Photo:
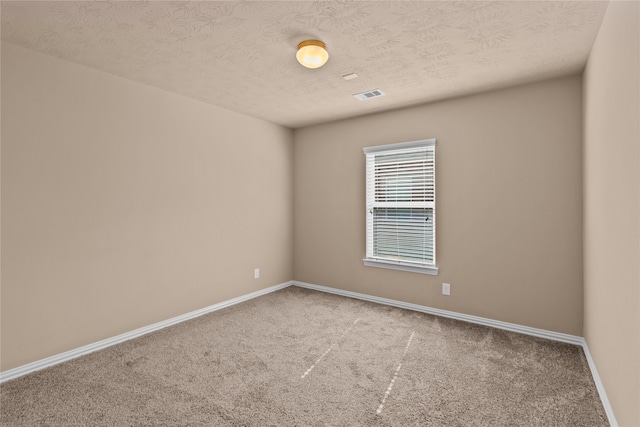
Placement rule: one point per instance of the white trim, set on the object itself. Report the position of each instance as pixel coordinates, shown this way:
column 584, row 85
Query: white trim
column 424, row 269
column 72, row 354
column 526, row 330
column 400, row 146
column 542, row 333
column 599, row 385
column 556, row 336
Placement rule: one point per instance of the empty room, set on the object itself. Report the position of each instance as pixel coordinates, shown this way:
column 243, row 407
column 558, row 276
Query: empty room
column 320, row 213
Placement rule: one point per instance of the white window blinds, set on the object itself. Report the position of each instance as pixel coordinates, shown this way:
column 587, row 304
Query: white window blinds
column 401, row 205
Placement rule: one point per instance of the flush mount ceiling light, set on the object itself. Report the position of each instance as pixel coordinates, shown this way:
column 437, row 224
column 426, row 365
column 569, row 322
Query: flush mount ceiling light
column 312, row 53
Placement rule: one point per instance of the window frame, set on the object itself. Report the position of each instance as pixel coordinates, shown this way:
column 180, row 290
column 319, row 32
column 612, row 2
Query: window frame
column 370, row 260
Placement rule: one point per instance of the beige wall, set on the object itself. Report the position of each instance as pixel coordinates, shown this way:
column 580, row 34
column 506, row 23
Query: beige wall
column 124, row 205
column 509, row 204
column 612, row 208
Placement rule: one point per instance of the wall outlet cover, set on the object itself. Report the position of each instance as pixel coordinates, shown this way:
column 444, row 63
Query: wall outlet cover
column 446, row 289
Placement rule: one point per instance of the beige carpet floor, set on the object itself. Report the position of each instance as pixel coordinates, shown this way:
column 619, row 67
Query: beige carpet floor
column 297, row 357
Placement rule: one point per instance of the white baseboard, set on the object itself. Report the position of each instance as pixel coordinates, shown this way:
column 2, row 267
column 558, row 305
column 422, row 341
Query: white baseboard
column 599, row 385
column 541, row 333
column 72, row 354
column 556, row 336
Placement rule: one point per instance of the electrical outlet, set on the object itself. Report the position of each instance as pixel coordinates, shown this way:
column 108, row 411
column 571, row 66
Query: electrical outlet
column 446, row 289
column 256, row 273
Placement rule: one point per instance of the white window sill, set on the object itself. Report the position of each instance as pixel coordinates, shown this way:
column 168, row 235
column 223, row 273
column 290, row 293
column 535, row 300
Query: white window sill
column 424, row 269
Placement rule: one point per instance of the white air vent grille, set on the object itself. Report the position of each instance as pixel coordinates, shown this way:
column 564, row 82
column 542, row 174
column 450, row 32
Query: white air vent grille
column 369, row 94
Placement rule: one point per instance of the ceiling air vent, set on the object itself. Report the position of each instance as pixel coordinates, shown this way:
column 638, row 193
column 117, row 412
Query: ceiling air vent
column 369, row 94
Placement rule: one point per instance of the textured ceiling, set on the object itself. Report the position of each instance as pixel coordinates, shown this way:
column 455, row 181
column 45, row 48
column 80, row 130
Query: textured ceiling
column 240, row 55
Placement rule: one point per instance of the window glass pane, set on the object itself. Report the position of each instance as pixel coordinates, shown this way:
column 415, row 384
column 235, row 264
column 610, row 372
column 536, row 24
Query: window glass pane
column 403, row 234
column 404, row 177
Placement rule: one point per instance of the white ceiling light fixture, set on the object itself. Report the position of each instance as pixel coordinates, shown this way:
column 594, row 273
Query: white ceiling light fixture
column 312, row 53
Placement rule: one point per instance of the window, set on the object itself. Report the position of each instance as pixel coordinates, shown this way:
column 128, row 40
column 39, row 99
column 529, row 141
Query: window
column 401, row 206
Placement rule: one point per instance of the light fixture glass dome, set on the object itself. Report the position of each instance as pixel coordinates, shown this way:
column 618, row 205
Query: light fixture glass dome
column 312, row 53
